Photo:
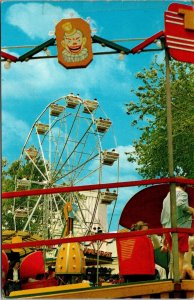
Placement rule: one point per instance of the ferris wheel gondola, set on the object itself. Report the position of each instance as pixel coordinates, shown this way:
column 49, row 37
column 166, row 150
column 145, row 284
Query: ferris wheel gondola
column 65, row 148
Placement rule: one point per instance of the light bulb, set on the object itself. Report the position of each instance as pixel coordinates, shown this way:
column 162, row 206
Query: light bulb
column 121, row 55
column 48, row 53
column 7, row 64
column 51, row 33
column 158, row 43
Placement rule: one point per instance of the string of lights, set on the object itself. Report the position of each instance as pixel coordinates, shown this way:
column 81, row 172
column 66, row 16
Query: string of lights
column 33, row 46
column 35, row 49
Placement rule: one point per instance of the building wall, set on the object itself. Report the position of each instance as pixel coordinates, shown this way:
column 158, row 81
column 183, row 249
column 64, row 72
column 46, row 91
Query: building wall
column 100, row 219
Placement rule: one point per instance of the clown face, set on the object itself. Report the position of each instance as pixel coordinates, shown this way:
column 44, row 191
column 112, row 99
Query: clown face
column 74, row 43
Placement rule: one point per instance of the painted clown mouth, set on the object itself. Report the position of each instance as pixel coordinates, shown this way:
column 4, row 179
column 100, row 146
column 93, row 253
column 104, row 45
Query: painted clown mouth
column 75, row 49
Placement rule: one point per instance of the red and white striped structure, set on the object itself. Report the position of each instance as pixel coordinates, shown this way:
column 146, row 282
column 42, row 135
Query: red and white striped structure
column 179, row 32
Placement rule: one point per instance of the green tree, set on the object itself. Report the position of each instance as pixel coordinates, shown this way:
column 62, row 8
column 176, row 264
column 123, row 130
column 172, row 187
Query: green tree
column 10, row 175
column 25, row 172
column 148, row 114
column 7, row 185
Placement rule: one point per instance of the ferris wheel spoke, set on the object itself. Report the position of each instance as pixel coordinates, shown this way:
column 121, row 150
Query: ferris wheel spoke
column 94, row 212
column 32, row 213
column 56, row 145
column 73, row 161
column 91, row 156
column 74, row 149
column 81, row 179
column 80, row 165
column 82, row 169
column 72, row 171
column 91, row 219
column 67, row 138
column 51, row 136
column 82, row 152
column 82, row 208
column 57, row 218
column 69, row 152
column 56, row 141
column 64, row 198
column 37, row 168
column 43, row 157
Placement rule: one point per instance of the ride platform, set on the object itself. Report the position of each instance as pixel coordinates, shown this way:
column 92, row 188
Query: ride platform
column 149, row 289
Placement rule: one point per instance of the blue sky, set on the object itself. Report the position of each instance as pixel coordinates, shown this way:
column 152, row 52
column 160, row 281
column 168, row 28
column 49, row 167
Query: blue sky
column 28, row 87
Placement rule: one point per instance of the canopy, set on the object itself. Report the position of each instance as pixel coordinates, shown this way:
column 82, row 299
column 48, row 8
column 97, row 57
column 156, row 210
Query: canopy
column 5, row 262
column 146, row 205
column 32, row 265
column 4, row 267
column 11, row 236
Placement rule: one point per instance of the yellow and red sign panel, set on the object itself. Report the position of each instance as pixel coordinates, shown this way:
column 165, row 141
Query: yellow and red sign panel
column 74, row 43
column 135, row 256
column 179, row 32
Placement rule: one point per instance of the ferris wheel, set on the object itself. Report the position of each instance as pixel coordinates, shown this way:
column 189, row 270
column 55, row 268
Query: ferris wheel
column 70, row 143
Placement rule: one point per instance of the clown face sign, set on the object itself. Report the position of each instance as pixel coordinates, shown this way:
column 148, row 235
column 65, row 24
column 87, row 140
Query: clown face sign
column 179, row 31
column 74, row 43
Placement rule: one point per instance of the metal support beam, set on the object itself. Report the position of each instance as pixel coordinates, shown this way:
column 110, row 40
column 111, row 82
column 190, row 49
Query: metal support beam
column 112, row 45
column 36, row 50
column 176, row 274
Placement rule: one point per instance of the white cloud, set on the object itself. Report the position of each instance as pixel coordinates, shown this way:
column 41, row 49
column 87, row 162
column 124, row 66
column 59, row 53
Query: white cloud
column 119, row 172
column 126, row 170
column 37, row 19
column 40, row 76
column 14, row 131
column 37, row 77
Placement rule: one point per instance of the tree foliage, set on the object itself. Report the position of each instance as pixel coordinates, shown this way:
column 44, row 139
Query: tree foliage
column 10, row 175
column 148, row 114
